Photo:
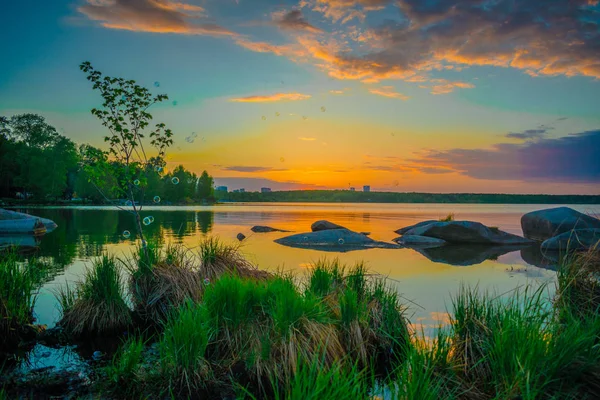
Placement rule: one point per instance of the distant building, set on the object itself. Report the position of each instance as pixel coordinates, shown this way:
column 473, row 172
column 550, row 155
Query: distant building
column 265, row 190
column 352, row 189
column 366, row 188
column 236, row 190
column 242, row 190
column 221, row 188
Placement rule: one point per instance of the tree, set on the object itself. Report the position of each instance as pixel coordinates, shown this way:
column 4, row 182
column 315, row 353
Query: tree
column 124, row 113
column 206, row 188
column 44, row 156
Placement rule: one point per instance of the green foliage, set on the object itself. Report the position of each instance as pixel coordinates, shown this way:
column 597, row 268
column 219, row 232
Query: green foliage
column 326, row 276
column 18, row 280
column 46, row 158
column 122, row 373
column 98, row 304
column 425, row 374
column 183, row 347
column 313, row 380
column 205, row 187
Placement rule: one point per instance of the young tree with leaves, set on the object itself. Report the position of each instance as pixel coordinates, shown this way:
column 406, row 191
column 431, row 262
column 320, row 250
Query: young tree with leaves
column 124, row 113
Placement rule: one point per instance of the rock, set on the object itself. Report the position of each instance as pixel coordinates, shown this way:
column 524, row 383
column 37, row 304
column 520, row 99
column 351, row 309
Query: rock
column 402, row 231
column 333, row 240
column 464, row 255
column 543, row 224
column 265, row 229
column 466, row 232
column 97, row 355
column 578, row 239
column 324, row 225
column 365, row 233
column 419, row 241
column 240, row 236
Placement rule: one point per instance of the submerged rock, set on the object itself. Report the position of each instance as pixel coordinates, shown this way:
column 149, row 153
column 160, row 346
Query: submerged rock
column 240, row 236
column 578, row 239
column 324, row 225
column 419, row 241
column 402, row 231
column 265, row 229
column 464, row 255
column 333, row 240
column 544, row 224
column 466, row 232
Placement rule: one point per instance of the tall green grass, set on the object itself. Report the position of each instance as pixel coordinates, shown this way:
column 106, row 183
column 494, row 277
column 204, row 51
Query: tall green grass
column 426, row 373
column 124, row 370
column 183, row 348
column 97, row 305
column 18, row 282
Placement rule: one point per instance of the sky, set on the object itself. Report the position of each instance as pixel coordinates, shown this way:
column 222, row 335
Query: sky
column 486, row 96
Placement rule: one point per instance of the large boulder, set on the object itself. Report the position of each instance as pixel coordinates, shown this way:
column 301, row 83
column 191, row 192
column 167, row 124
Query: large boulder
column 578, row 239
column 415, row 241
column 402, row 231
column 324, row 225
column 333, row 240
column 265, row 229
column 466, row 232
column 543, row 224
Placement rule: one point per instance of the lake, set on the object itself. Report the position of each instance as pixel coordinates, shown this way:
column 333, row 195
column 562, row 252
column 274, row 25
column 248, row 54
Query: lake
column 426, row 281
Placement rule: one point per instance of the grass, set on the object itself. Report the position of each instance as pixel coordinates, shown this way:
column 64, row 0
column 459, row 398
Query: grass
column 341, row 333
column 183, row 349
column 97, row 305
column 163, row 279
column 447, row 218
column 18, row 281
column 312, row 381
column 125, row 368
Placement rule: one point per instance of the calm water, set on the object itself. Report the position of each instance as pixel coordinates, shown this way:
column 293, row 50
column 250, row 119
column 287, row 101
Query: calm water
column 425, row 281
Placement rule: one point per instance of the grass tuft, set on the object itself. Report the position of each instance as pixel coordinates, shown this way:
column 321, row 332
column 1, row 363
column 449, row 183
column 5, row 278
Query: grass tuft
column 447, row 218
column 18, row 281
column 97, row 305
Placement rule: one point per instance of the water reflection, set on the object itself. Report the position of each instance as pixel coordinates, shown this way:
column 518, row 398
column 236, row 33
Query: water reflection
column 85, row 233
column 464, row 255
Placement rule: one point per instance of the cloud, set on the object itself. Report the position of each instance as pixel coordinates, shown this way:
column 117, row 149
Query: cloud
column 560, row 38
column 307, row 139
column 443, row 86
column 344, row 11
column 388, row 91
column 250, row 169
column 293, row 20
column 160, row 16
column 569, row 159
column 272, row 98
column 530, row 134
column 336, row 91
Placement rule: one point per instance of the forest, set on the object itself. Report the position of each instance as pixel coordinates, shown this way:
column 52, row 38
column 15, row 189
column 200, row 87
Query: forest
column 40, row 165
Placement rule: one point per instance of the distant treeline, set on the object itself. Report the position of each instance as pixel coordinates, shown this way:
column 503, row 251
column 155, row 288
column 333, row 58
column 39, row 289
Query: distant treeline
column 346, row 196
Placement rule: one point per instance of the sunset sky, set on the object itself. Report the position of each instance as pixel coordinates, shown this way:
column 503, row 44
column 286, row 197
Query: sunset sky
column 403, row 95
